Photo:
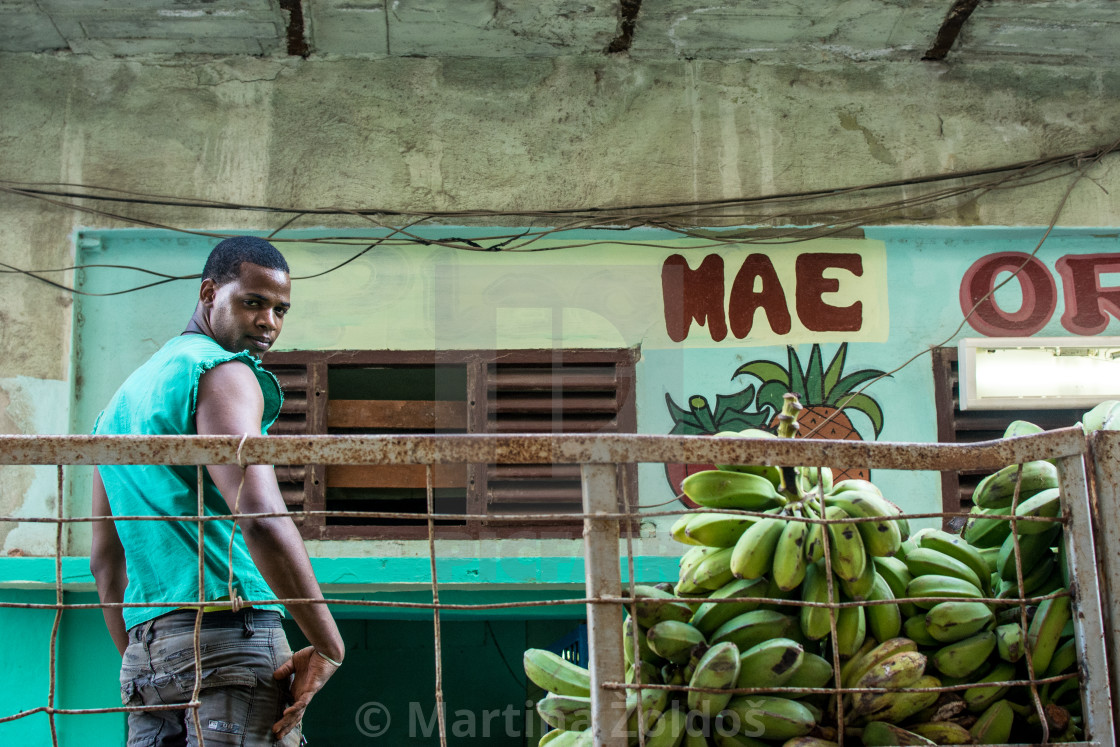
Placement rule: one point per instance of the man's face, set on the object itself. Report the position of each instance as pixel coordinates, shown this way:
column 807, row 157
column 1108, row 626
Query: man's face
column 247, row 313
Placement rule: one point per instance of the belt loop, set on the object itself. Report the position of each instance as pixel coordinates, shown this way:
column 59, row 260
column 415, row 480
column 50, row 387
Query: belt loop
column 247, row 623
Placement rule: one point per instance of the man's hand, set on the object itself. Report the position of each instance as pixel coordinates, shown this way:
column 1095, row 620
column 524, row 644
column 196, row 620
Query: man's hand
column 311, row 673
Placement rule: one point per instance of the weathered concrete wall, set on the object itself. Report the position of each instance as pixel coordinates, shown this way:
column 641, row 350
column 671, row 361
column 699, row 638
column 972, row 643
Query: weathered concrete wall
column 505, row 135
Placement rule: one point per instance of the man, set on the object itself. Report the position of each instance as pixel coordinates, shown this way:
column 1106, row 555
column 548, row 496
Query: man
column 209, row 381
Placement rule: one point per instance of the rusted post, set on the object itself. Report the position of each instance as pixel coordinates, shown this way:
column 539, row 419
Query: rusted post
column 1104, row 453
column 1088, row 628
column 604, row 621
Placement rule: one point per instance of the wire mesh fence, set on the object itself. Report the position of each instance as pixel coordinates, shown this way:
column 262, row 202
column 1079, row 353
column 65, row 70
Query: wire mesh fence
column 609, row 540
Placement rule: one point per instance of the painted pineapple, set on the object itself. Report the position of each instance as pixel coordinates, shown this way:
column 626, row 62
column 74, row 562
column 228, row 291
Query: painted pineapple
column 730, row 414
column 823, row 392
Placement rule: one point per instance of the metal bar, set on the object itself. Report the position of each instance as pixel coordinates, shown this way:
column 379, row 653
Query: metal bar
column 1105, row 458
column 604, row 621
column 1089, row 627
column 586, row 448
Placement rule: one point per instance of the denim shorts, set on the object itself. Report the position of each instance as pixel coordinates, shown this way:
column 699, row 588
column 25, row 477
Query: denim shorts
column 240, row 699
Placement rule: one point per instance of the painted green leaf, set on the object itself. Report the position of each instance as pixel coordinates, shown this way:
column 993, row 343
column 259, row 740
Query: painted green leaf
column 702, row 413
column 835, row 369
column 728, row 405
column 687, row 428
column 677, row 412
column 849, row 383
column 764, row 370
column 814, row 377
column 770, row 395
column 745, row 420
column 797, row 376
column 867, row 406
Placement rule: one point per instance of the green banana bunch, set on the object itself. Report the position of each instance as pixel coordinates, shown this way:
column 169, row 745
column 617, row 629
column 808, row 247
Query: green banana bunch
column 711, row 529
column 987, row 527
column 807, row 479
column 1043, row 504
column 884, row 621
column 718, row 669
column 849, row 558
column 935, row 585
column 998, row 490
column 717, row 488
column 896, row 707
column 1033, row 549
column 772, row 473
column 556, row 674
column 814, row 671
column 851, row 630
column 815, row 621
column 873, row 656
column 789, row 563
column 770, row 663
column 766, row 717
column 649, row 613
column 978, row 698
column 897, row 576
column 955, row 547
column 753, row 554
column 924, row 561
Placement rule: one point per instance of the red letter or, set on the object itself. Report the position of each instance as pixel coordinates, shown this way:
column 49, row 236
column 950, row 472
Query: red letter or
column 693, row 295
column 1040, row 296
column 1086, row 301
column 813, row 312
column 745, row 301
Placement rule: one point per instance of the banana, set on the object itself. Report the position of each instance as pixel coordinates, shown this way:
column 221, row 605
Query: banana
column 742, row 491
column 1103, row 417
column 567, row 712
column 710, row 615
column 649, row 613
column 814, row 671
column 694, row 738
column 1063, row 660
column 770, row 663
column 860, row 589
column 855, row 662
column 774, row 474
column 814, row 545
column 789, row 556
column 644, row 672
column 1011, row 642
column 561, row 738
column 875, row 656
column 898, row 671
column 807, row 478
column 880, row 538
column 1021, row 428
column 882, row 734
column 673, row 640
column 1040, row 578
column 849, row 558
column 766, row 717
column 994, row 724
column 936, row 585
column 644, row 652
column 734, row 739
column 941, row 732
column 642, row 710
column 998, row 490
column 987, row 527
column 851, row 630
column 692, row 558
column 895, row 707
column 955, row 547
column 962, row 658
column 555, row 673
column 884, row 621
column 897, row 576
column 1044, row 504
column 809, row 741
column 984, row 694
column 1032, row 549
column 815, row 621
column 718, row 669
column 955, row 621
column 914, row 628
column 753, row 554
column 677, row 531
column 1045, row 631
column 712, row 572
column 752, row 628
column 668, row 730
column 923, row 561
column 716, row 530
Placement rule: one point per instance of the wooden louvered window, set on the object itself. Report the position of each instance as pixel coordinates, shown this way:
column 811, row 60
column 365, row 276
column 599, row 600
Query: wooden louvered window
column 955, row 425
column 402, row 392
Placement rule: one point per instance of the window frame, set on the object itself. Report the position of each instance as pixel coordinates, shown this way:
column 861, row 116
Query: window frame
column 317, row 364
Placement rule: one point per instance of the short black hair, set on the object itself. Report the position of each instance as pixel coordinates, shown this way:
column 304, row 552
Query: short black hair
column 224, row 262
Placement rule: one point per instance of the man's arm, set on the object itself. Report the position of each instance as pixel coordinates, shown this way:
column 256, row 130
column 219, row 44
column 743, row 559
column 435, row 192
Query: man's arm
column 106, row 562
column 230, row 402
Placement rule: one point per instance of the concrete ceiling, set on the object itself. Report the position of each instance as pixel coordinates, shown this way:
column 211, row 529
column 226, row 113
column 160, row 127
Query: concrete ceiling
column 800, row 32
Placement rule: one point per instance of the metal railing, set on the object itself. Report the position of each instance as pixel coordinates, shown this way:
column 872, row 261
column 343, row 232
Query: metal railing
column 598, row 455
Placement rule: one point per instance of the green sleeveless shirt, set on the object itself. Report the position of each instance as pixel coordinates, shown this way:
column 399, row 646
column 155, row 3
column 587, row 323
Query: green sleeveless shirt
column 161, row 557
